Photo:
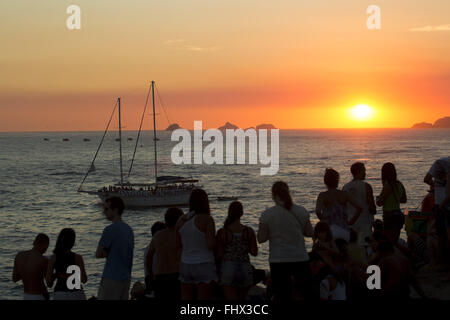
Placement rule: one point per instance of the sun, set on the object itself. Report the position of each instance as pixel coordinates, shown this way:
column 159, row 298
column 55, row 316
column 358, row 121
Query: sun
column 361, row 112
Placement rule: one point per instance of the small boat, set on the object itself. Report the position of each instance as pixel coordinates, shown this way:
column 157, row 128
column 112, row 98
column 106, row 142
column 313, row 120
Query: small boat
column 86, row 139
column 46, row 139
column 164, row 191
column 130, row 139
column 66, row 139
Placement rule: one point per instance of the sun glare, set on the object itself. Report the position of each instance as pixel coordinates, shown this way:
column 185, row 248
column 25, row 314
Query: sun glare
column 361, row 112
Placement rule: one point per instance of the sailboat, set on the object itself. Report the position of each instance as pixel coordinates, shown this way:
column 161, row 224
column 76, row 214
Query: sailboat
column 165, row 191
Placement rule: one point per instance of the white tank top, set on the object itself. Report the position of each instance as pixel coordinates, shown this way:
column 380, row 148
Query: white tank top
column 195, row 249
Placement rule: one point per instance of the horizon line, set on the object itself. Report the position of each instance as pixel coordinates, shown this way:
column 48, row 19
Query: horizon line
column 284, row 129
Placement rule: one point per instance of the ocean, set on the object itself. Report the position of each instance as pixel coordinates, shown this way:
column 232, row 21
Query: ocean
column 39, row 181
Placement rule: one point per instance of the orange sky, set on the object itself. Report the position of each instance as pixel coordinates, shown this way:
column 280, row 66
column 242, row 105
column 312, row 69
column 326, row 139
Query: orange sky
column 296, row 64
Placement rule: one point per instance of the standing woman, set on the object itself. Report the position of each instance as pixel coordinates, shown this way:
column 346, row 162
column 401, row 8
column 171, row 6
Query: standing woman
column 196, row 232
column 331, row 206
column 392, row 194
column 62, row 258
column 286, row 225
column 235, row 242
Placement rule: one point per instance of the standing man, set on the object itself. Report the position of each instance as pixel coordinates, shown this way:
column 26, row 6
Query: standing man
column 30, row 267
column 439, row 177
column 116, row 245
column 363, row 193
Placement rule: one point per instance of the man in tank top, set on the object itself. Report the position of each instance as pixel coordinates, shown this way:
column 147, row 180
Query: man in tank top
column 363, row 193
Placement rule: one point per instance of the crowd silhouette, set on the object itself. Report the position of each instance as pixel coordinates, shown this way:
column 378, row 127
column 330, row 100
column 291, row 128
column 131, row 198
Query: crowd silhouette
column 188, row 260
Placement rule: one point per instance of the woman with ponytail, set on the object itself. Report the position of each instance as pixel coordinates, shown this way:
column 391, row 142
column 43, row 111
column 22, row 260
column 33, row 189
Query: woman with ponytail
column 235, row 242
column 285, row 226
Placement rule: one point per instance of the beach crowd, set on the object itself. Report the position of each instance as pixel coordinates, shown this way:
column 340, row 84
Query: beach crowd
column 188, row 260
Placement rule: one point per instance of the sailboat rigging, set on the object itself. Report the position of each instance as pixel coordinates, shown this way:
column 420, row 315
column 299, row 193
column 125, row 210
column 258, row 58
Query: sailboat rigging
column 164, row 191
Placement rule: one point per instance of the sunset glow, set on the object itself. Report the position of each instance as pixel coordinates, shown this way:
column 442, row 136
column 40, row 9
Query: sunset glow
column 236, row 61
column 362, row 112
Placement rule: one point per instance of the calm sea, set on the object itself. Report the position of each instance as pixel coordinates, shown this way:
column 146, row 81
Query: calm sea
column 39, row 181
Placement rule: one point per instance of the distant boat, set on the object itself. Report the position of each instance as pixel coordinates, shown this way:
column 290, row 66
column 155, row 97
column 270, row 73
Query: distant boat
column 165, row 191
column 130, row 139
column 46, row 139
column 66, row 139
column 86, row 139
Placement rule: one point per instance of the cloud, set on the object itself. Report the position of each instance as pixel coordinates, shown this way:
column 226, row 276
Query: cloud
column 196, row 48
column 182, row 44
column 444, row 27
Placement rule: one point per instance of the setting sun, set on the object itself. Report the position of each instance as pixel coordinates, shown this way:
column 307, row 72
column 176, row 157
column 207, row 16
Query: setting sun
column 362, row 112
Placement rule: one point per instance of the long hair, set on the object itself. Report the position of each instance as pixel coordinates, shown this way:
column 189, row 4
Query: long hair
column 65, row 241
column 281, row 189
column 198, row 202
column 235, row 211
column 388, row 173
column 331, row 178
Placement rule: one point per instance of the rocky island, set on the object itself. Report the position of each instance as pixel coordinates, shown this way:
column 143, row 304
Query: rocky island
column 173, row 127
column 442, row 123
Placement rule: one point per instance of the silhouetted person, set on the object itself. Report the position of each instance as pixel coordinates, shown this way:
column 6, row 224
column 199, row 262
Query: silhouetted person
column 235, row 242
column 148, row 271
column 331, row 206
column 196, row 233
column 438, row 177
column 116, row 245
column 362, row 192
column 30, row 267
column 163, row 259
column 285, row 226
column 390, row 198
column 62, row 258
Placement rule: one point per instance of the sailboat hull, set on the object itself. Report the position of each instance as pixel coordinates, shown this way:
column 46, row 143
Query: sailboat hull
column 141, row 199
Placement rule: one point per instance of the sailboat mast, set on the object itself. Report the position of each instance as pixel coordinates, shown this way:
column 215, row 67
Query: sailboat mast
column 120, row 143
column 154, row 131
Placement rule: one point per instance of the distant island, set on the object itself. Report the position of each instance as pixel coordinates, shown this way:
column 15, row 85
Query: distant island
column 230, row 125
column 173, row 127
column 438, row 124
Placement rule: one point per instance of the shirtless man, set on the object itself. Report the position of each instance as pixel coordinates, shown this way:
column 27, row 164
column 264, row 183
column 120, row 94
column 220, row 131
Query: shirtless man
column 164, row 247
column 30, row 267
